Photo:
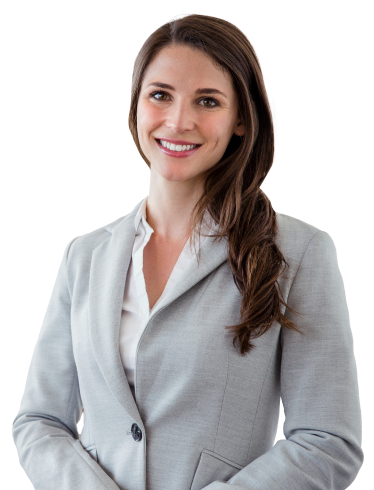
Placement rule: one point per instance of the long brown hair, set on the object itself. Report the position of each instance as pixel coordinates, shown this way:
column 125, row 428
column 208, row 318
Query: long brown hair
column 232, row 193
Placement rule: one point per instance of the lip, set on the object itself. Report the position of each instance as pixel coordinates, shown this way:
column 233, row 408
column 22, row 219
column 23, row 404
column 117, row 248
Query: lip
column 176, row 154
column 178, row 142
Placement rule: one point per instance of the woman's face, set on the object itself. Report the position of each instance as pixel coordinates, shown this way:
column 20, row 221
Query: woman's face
column 185, row 100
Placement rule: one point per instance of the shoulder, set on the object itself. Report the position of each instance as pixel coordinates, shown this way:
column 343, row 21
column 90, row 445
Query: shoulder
column 293, row 231
column 295, row 237
column 81, row 247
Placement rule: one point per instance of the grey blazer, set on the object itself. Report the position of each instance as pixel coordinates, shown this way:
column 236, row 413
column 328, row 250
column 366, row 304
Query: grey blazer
column 204, row 417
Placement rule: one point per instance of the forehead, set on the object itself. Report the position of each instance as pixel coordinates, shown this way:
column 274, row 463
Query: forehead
column 186, row 68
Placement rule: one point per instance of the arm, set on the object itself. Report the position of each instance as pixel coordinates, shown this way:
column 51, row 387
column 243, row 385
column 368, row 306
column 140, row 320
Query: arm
column 319, row 388
column 45, row 429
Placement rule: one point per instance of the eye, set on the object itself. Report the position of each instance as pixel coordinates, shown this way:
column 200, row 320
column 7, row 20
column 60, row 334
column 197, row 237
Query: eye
column 156, row 93
column 216, row 103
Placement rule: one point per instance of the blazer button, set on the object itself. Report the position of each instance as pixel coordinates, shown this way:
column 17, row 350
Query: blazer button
column 136, row 432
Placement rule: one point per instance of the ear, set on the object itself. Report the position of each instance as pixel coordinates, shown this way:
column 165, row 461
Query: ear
column 239, row 129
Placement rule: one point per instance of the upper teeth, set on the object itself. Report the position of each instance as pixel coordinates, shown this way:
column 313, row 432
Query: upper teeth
column 173, row 147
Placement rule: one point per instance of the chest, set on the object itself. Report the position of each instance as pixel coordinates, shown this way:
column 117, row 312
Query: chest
column 159, row 259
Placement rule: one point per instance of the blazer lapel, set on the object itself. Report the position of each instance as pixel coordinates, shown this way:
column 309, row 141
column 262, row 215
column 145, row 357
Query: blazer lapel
column 213, row 254
column 109, row 265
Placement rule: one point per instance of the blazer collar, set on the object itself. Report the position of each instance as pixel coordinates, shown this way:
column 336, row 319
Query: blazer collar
column 109, row 265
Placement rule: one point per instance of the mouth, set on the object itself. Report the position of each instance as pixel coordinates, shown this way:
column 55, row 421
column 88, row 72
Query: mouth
column 177, row 150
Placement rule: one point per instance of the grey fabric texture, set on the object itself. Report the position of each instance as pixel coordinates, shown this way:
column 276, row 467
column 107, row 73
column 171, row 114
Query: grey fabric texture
column 208, row 415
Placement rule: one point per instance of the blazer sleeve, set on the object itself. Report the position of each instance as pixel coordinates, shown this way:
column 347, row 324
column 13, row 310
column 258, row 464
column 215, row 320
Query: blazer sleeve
column 45, row 429
column 319, row 388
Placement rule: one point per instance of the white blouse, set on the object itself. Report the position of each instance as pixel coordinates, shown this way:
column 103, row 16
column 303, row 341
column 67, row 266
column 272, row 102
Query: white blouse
column 135, row 307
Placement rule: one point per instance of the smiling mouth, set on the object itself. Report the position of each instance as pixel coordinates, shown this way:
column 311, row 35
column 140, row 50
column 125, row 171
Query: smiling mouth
column 159, row 142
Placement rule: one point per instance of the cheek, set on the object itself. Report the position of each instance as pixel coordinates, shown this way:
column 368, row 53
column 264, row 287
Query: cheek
column 148, row 113
column 217, row 129
column 148, row 121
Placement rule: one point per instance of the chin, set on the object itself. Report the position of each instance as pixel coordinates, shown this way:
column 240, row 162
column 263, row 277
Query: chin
column 177, row 172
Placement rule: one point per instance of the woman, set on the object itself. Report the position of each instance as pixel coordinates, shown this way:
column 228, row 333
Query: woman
column 179, row 326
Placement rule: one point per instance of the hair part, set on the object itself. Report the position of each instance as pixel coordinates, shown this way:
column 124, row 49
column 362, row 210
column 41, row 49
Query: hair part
column 232, row 193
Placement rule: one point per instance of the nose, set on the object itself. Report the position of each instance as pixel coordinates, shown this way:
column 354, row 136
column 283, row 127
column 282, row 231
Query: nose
column 180, row 117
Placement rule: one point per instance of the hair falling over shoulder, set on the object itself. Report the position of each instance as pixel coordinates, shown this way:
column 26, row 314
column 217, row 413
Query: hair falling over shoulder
column 232, row 193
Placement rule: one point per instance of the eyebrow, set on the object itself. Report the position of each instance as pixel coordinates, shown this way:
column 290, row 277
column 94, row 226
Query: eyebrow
column 198, row 91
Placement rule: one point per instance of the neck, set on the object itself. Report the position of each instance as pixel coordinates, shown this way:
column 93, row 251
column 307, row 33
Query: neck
column 170, row 206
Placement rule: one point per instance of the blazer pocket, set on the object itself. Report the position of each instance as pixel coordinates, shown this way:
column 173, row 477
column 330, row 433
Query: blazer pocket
column 213, row 467
column 92, row 451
